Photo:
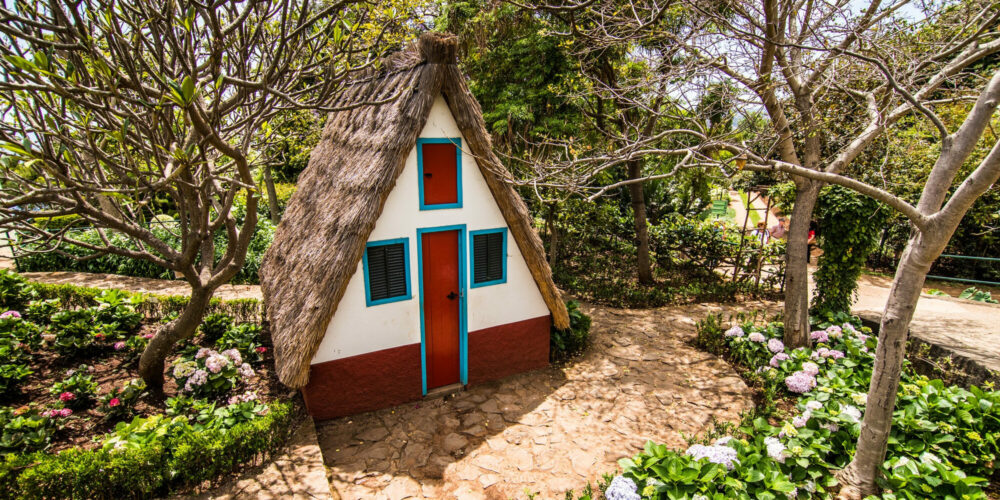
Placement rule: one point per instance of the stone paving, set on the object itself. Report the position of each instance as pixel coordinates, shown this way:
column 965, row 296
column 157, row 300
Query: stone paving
column 546, row 431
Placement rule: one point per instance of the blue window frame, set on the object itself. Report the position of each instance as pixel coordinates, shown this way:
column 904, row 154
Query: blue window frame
column 387, row 271
column 488, row 248
column 457, row 141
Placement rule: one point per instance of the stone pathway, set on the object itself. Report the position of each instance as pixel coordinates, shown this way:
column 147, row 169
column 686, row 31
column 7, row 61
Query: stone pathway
column 546, row 431
column 296, row 473
column 964, row 327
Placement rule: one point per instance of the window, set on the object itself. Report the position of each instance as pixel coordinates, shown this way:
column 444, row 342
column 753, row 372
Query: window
column 439, row 165
column 387, row 271
column 489, row 257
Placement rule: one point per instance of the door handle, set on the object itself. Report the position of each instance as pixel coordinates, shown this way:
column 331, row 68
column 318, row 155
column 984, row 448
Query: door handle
column 452, row 296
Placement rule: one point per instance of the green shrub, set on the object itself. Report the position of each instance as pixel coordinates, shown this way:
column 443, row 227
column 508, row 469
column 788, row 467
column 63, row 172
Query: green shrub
column 77, row 390
column 215, row 325
column 41, row 311
column 116, row 310
column 849, row 225
column 565, row 343
column 24, row 430
column 182, row 456
column 973, row 293
column 119, row 404
column 15, row 291
column 21, row 330
column 75, row 331
column 245, row 338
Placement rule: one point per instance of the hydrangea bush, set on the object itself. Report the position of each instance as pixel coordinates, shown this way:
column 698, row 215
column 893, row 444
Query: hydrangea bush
column 944, row 439
column 210, row 374
column 77, row 390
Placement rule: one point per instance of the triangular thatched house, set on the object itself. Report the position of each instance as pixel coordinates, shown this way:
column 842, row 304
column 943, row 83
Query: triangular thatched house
column 404, row 263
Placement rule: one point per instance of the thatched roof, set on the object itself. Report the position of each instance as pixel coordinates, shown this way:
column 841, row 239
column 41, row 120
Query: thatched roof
column 341, row 193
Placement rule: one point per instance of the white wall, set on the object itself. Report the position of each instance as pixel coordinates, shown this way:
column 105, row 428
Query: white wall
column 357, row 329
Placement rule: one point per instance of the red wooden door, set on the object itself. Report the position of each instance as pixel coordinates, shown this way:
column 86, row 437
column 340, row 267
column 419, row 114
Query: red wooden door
column 440, row 174
column 441, row 306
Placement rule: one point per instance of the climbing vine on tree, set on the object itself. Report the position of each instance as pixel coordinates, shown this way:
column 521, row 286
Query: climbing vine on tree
column 849, row 225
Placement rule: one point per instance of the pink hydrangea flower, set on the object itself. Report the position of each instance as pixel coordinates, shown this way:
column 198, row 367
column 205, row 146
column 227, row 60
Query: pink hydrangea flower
column 67, row 396
column 216, row 362
column 810, row 368
column 735, row 331
column 834, row 331
column 246, row 371
column 777, row 359
column 148, row 335
column 800, row 382
column 833, row 354
column 114, row 402
column 119, row 346
column 233, row 356
column 10, row 314
column 820, row 336
column 65, row 412
column 801, row 420
column 756, row 337
column 261, row 350
column 203, row 352
column 775, row 345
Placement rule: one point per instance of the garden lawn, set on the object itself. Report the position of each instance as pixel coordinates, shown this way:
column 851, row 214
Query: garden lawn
column 943, row 442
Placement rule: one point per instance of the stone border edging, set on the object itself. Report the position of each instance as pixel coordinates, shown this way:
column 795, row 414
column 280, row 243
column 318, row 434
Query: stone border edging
column 972, row 372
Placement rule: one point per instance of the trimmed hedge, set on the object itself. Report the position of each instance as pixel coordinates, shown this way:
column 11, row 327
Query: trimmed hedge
column 180, row 461
column 151, row 306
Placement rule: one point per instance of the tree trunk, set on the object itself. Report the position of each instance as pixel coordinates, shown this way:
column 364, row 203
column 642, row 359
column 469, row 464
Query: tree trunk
column 645, row 269
column 151, row 363
column 858, row 478
column 797, row 265
column 272, row 196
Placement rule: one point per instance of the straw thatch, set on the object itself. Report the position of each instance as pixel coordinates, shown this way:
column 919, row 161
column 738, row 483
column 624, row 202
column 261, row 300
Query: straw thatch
column 341, row 193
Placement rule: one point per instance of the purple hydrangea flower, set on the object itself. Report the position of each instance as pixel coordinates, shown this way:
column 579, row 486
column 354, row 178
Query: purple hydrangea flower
column 800, row 382
column 716, row 454
column 735, row 331
column 756, row 337
column 820, row 336
column 810, row 368
column 10, row 314
column 119, row 346
column 777, row 359
column 775, row 345
column 203, row 352
column 622, row 488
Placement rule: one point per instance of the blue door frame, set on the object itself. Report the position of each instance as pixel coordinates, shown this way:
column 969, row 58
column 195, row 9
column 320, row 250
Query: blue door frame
column 463, row 330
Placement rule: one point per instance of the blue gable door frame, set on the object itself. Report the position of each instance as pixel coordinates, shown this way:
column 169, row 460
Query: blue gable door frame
column 463, row 327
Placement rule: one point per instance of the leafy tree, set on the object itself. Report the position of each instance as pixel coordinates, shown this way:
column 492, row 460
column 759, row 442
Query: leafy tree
column 111, row 106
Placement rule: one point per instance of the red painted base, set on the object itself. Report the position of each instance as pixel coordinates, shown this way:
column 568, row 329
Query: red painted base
column 389, row 377
column 364, row 382
column 508, row 349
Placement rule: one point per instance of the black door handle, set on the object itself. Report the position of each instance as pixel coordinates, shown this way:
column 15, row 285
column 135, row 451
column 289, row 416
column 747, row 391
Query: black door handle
column 452, row 295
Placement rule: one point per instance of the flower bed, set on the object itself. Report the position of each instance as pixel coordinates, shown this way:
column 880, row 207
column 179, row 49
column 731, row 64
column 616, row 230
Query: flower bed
column 944, row 440
column 75, row 421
